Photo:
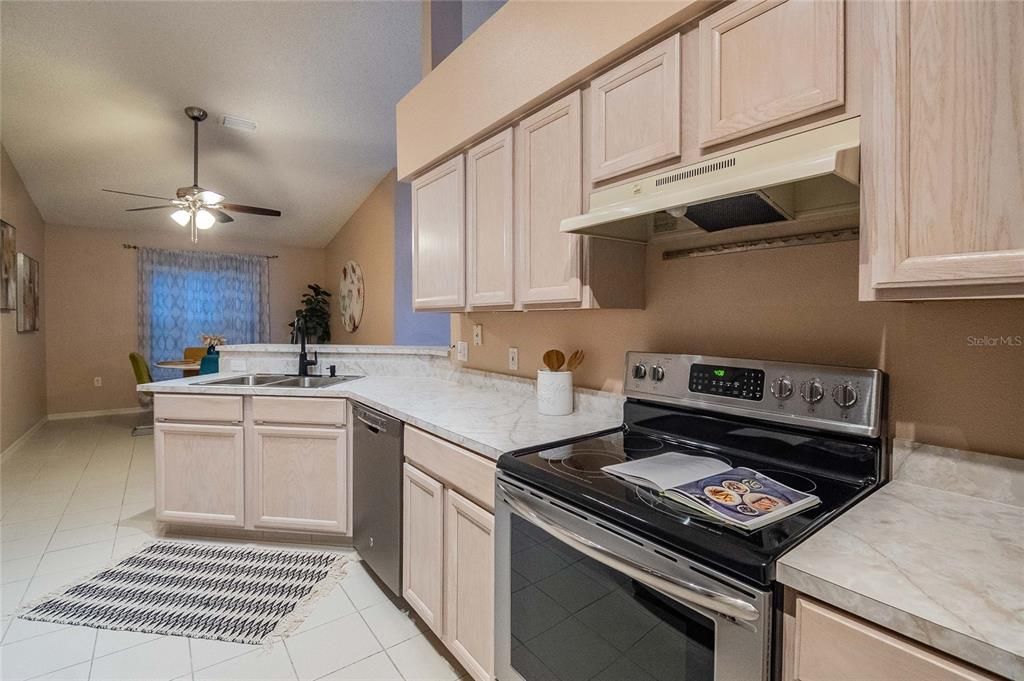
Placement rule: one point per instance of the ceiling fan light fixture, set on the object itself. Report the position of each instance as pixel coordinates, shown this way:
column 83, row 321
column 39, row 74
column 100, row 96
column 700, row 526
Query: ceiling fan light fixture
column 209, row 197
column 204, row 219
column 181, row 217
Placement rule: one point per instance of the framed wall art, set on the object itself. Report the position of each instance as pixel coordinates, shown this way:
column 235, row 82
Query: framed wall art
column 28, row 294
column 8, row 268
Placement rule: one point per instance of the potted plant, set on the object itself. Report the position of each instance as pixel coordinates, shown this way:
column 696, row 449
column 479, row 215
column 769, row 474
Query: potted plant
column 316, row 313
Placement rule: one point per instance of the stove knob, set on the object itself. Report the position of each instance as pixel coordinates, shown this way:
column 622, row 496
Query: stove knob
column 657, row 373
column 845, row 395
column 782, row 388
column 812, row 391
column 639, row 371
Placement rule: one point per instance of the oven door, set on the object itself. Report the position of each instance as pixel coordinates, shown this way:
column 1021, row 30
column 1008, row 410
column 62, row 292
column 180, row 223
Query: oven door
column 576, row 599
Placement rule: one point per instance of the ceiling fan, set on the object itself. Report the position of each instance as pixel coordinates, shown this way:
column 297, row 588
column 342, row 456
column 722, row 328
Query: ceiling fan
column 194, row 206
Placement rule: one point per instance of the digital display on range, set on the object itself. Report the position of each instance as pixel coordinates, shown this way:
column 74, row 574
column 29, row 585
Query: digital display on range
column 738, row 382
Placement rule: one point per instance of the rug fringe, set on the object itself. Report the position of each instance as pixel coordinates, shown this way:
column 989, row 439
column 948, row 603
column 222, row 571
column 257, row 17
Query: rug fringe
column 293, row 620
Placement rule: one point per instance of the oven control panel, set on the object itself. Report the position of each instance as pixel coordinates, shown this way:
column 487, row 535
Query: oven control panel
column 842, row 399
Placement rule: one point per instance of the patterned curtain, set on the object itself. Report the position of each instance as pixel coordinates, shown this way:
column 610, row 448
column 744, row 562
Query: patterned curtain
column 184, row 294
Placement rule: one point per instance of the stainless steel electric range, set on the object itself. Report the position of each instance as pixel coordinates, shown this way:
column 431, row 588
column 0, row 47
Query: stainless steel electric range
column 599, row 579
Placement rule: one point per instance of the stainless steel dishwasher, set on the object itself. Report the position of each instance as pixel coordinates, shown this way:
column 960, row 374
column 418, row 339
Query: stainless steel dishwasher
column 377, row 493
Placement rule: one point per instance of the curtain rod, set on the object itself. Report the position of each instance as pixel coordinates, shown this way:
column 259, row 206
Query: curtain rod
column 268, row 257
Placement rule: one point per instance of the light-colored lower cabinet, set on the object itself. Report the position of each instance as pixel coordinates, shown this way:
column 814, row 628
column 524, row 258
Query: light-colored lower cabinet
column 200, row 473
column 469, row 585
column 300, row 478
column 825, row 644
column 423, row 546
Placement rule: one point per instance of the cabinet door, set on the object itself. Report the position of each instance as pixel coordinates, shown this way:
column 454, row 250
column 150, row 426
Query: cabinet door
column 200, row 474
column 635, row 120
column 423, row 546
column 549, row 187
column 300, row 478
column 469, row 585
column 768, row 62
column 438, row 238
column 943, row 190
column 490, row 230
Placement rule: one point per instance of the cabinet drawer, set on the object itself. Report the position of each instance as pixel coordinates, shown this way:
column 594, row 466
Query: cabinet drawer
column 469, row 473
column 213, row 408
column 833, row 646
column 303, row 410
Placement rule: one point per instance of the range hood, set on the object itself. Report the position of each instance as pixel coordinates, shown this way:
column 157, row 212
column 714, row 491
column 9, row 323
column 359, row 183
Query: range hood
column 813, row 174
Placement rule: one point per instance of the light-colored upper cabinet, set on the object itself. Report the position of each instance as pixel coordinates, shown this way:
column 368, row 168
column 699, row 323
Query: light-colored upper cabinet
column 549, row 187
column 200, row 473
column 634, row 113
column 300, row 478
column 768, row 62
column 469, row 585
column 423, row 503
column 490, row 226
column 439, row 238
column 943, row 151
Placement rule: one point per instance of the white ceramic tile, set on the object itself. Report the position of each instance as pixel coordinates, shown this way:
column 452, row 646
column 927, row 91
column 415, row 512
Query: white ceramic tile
column 391, row 623
column 423, row 659
column 18, row 569
column 46, row 653
column 362, row 590
column 374, row 668
column 80, row 536
column 29, row 547
column 207, row 652
column 45, row 585
column 109, row 641
column 70, row 521
column 78, row 672
column 84, row 558
column 260, row 665
column 331, row 647
column 11, row 595
column 160, row 660
column 30, row 528
column 22, row 629
column 334, row 605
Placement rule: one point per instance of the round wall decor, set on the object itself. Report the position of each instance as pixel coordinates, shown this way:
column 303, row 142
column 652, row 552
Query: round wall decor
column 351, row 295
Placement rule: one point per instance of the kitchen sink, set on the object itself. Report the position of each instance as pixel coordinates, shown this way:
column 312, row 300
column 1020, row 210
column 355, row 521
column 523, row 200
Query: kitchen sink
column 250, row 380
column 313, row 381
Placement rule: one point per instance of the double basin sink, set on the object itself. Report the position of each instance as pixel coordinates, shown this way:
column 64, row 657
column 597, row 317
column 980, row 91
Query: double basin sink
column 281, row 381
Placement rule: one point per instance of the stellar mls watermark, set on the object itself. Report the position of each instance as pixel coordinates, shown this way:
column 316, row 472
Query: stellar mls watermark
column 995, row 341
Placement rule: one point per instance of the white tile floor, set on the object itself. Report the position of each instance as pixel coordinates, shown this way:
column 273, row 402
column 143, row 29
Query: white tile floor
column 78, row 495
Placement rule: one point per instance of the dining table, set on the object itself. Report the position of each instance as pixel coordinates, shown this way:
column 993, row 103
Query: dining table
column 180, row 364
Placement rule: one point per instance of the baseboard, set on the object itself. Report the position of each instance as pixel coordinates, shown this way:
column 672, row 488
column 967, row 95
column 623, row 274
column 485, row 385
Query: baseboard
column 24, row 437
column 100, row 412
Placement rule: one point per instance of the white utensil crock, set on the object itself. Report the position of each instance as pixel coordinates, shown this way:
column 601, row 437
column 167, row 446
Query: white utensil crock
column 554, row 392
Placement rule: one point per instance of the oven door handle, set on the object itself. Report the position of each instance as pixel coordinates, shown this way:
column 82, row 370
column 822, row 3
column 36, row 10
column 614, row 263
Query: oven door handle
column 673, row 587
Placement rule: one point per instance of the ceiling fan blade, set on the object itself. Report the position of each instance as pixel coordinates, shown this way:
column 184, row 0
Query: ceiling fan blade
column 130, row 210
column 239, row 208
column 220, row 215
column 147, row 196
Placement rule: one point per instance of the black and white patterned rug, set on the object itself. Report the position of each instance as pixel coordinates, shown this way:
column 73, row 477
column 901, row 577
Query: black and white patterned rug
column 243, row 594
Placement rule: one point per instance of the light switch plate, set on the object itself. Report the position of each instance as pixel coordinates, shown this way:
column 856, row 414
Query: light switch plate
column 513, row 359
column 462, row 351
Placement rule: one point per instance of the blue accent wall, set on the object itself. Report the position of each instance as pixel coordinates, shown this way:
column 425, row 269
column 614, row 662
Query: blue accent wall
column 412, row 328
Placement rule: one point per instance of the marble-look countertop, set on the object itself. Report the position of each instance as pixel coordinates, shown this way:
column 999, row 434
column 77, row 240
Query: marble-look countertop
column 489, row 417
column 430, row 350
column 928, row 561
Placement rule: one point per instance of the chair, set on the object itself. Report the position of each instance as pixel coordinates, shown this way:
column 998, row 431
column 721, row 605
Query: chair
column 141, row 369
column 196, row 354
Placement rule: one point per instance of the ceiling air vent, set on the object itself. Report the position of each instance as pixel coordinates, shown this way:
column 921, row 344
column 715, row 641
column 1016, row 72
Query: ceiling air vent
column 238, row 123
column 694, row 172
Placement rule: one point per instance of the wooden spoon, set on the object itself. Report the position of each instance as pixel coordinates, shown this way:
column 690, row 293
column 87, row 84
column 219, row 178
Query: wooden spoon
column 575, row 359
column 554, row 359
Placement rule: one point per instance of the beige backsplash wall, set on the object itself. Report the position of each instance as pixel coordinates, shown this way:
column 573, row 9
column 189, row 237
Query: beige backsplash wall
column 369, row 239
column 90, row 306
column 796, row 304
column 22, row 355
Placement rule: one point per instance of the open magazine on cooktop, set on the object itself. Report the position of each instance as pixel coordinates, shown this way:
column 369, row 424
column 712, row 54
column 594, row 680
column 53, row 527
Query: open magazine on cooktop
column 737, row 496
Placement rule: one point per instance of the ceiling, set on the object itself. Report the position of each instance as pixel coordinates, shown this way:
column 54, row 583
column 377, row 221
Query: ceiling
column 93, row 94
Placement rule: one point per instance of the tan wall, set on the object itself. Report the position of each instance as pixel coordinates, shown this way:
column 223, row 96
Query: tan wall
column 369, row 239
column 552, row 44
column 796, row 304
column 91, row 306
column 22, row 355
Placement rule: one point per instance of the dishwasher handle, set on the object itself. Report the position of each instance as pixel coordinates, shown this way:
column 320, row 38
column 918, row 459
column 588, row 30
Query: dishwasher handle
column 377, row 424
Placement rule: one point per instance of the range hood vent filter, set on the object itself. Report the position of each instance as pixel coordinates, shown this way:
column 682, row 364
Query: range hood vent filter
column 735, row 211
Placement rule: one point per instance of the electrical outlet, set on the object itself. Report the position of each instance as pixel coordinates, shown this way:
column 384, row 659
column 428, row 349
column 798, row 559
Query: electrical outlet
column 462, row 351
column 478, row 334
column 513, row 359
column 97, row 382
